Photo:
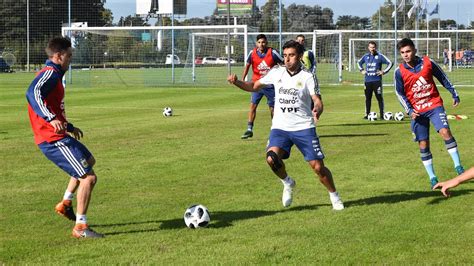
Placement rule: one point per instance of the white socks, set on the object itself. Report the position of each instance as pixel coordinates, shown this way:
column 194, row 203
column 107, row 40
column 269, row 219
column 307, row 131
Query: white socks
column 287, row 181
column 81, row 219
column 68, row 195
column 334, row 196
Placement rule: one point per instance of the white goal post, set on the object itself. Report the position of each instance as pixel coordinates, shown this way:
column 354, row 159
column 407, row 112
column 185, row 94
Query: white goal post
column 353, row 57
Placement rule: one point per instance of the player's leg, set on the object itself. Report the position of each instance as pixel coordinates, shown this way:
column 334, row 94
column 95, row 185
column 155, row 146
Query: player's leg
column 379, row 96
column 440, row 122
column 325, row 177
column 270, row 94
column 420, row 128
column 254, row 101
column 279, row 148
column 64, row 207
column 84, row 193
column 308, row 143
column 73, row 157
column 368, row 98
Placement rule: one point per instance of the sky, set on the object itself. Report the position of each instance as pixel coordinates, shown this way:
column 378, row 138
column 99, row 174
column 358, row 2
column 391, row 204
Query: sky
column 449, row 9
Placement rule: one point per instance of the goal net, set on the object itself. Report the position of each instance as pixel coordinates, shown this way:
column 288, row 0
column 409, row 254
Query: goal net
column 149, row 56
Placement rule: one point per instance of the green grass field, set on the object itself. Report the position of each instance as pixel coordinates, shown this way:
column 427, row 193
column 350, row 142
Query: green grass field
column 151, row 168
column 215, row 75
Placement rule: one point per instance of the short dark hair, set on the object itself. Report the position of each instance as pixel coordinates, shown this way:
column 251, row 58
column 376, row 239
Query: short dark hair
column 374, row 43
column 294, row 44
column 57, row 45
column 300, row 35
column 261, row 36
column 405, row 42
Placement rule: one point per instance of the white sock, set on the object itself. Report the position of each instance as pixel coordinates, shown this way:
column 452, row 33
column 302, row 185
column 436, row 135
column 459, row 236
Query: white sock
column 68, row 195
column 334, row 196
column 81, row 219
column 286, row 180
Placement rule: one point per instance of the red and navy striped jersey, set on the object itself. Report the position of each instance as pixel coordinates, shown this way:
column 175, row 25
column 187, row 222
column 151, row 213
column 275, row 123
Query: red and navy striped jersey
column 45, row 97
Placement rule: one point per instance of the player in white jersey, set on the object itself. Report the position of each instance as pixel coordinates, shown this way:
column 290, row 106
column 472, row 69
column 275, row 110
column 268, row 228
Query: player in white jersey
column 294, row 121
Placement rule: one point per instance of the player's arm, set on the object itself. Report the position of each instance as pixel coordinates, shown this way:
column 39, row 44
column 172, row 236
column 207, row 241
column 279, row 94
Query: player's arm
column 444, row 80
column 312, row 59
column 313, row 86
column 360, row 64
column 400, row 92
column 74, row 131
column 445, row 186
column 245, row 85
column 247, row 65
column 277, row 57
column 246, row 71
column 318, row 106
column 389, row 64
column 36, row 94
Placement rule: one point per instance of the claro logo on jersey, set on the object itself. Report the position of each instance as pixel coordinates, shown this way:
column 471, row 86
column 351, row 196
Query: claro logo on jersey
column 263, row 68
column 289, row 97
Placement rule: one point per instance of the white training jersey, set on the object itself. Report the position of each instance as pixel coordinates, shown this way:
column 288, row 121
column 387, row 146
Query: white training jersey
column 292, row 111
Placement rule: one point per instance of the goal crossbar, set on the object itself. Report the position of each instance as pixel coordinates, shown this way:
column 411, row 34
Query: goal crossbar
column 352, row 40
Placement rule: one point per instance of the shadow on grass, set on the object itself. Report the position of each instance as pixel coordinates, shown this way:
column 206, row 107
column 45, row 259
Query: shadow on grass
column 352, row 135
column 366, row 123
column 227, row 218
column 218, row 220
column 401, row 196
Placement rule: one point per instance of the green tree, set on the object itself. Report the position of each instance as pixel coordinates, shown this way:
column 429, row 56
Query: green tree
column 308, row 18
column 353, row 23
column 46, row 19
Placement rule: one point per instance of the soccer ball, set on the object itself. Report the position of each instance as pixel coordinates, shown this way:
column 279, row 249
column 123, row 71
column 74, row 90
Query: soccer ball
column 372, row 116
column 388, row 116
column 167, row 111
column 399, row 116
column 197, row 216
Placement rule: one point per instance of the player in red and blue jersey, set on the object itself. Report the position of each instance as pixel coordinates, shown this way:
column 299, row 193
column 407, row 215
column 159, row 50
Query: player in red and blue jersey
column 373, row 73
column 58, row 139
column 262, row 58
column 418, row 94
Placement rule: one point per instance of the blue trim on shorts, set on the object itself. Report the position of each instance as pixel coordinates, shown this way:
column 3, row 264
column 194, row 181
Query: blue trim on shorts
column 68, row 154
column 306, row 140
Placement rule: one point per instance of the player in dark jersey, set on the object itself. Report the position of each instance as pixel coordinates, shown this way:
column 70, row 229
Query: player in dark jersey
column 58, row 139
column 418, row 94
column 373, row 73
column 262, row 58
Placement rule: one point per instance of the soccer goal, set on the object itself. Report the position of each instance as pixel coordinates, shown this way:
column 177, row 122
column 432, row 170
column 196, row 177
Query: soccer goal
column 203, row 44
column 327, row 45
column 150, row 56
column 358, row 47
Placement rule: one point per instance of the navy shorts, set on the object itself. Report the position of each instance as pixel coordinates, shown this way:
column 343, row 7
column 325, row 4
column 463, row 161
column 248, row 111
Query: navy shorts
column 306, row 141
column 268, row 92
column 68, row 154
column 421, row 125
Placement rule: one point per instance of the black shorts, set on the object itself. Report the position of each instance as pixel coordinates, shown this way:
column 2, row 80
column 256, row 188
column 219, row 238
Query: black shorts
column 374, row 86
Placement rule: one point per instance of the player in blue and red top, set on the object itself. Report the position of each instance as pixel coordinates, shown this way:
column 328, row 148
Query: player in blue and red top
column 418, row 94
column 373, row 73
column 262, row 58
column 52, row 133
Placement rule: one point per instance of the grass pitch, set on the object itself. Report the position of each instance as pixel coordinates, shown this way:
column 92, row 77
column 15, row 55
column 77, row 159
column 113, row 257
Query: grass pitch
column 151, row 168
